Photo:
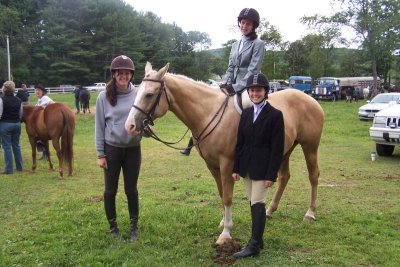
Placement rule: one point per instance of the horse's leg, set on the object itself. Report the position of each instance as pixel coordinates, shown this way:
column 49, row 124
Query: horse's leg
column 311, row 156
column 283, row 179
column 33, row 146
column 225, row 190
column 56, row 145
column 70, row 154
column 47, row 152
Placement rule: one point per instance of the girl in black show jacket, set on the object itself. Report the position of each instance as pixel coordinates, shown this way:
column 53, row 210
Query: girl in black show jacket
column 258, row 156
column 260, row 144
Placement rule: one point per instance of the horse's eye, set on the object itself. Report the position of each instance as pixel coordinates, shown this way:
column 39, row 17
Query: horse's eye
column 148, row 96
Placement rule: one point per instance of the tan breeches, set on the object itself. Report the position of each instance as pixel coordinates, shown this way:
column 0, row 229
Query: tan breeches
column 255, row 190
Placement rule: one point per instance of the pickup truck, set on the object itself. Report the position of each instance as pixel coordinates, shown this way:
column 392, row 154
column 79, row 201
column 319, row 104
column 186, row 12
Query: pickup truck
column 96, row 87
column 385, row 130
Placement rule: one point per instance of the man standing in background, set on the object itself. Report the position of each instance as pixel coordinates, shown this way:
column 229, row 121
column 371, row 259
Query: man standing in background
column 23, row 94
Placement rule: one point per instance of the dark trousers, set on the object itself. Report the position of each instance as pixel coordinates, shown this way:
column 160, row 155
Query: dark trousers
column 77, row 105
column 129, row 160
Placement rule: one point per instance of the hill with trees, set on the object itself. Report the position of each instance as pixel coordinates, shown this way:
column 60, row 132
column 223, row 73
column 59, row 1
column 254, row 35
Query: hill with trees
column 73, row 42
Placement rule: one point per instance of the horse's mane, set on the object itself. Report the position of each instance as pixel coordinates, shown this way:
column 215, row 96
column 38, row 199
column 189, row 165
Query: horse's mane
column 197, row 84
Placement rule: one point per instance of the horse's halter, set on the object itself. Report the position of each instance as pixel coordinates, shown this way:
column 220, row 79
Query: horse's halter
column 149, row 115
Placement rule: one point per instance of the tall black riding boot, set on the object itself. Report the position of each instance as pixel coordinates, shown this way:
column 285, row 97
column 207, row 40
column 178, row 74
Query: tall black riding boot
column 114, row 231
column 187, row 150
column 256, row 242
column 111, row 214
column 44, row 157
column 133, row 206
column 134, row 229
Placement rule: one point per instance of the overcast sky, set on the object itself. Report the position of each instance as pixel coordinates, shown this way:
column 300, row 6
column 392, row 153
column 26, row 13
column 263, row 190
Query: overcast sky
column 216, row 17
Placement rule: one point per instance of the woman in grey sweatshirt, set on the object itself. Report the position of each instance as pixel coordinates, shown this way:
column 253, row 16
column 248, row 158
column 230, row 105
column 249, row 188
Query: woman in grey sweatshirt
column 116, row 149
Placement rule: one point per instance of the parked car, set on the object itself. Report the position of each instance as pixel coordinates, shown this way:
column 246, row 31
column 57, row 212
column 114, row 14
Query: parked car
column 385, row 130
column 379, row 102
column 96, row 87
column 275, row 87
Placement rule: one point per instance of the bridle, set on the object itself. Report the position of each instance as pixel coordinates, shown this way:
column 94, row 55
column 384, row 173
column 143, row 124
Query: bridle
column 150, row 121
column 149, row 115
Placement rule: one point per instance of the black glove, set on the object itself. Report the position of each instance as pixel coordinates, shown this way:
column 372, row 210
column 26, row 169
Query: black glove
column 228, row 88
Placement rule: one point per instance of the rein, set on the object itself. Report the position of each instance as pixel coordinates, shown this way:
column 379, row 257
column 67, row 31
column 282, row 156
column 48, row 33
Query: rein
column 149, row 119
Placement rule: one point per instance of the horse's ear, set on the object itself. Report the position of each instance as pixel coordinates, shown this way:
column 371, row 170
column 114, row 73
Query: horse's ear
column 163, row 70
column 148, row 68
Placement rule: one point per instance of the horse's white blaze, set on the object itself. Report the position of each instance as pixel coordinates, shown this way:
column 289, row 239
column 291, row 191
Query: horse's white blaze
column 130, row 124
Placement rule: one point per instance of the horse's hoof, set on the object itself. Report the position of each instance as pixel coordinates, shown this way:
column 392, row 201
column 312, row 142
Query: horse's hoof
column 268, row 214
column 309, row 218
column 223, row 240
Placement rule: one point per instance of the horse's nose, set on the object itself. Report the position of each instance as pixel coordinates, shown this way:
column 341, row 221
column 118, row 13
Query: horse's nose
column 130, row 128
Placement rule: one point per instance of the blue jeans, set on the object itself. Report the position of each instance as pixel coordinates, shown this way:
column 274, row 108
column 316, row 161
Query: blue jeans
column 10, row 133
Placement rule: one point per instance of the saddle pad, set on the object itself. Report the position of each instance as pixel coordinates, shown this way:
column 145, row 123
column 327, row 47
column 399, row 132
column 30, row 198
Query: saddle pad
column 245, row 101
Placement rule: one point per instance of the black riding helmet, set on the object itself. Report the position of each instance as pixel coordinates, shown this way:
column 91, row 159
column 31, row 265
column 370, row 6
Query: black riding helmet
column 250, row 14
column 41, row 87
column 258, row 79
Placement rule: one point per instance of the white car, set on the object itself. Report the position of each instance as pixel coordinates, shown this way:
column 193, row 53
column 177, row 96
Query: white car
column 385, row 130
column 379, row 102
column 96, row 87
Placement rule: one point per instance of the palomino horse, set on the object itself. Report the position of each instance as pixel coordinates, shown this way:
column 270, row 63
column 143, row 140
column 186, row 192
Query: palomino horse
column 213, row 120
column 51, row 123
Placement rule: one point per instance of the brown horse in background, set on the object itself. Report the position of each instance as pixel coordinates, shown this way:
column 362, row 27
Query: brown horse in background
column 55, row 122
column 213, row 121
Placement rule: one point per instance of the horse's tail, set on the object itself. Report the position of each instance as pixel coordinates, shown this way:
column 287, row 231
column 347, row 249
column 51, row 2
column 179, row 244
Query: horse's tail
column 67, row 138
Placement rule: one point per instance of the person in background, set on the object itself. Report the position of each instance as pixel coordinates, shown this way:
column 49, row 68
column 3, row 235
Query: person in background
column 23, row 94
column 356, row 94
column 189, row 147
column 349, row 95
column 116, row 149
column 77, row 90
column 10, row 127
column 41, row 93
column 42, row 100
column 258, row 156
column 246, row 57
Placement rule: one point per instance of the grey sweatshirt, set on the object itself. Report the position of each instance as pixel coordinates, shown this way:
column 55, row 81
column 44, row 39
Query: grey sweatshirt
column 110, row 121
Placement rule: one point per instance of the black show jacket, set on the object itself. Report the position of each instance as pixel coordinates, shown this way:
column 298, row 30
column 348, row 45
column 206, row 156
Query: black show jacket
column 259, row 148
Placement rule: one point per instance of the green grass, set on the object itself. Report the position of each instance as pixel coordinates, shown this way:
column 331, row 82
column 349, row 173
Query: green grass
column 52, row 222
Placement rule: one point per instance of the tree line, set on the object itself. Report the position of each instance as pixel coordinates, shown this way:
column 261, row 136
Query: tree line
column 73, row 42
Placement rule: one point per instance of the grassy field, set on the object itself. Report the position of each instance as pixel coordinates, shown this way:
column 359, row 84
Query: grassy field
column 50, row 222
